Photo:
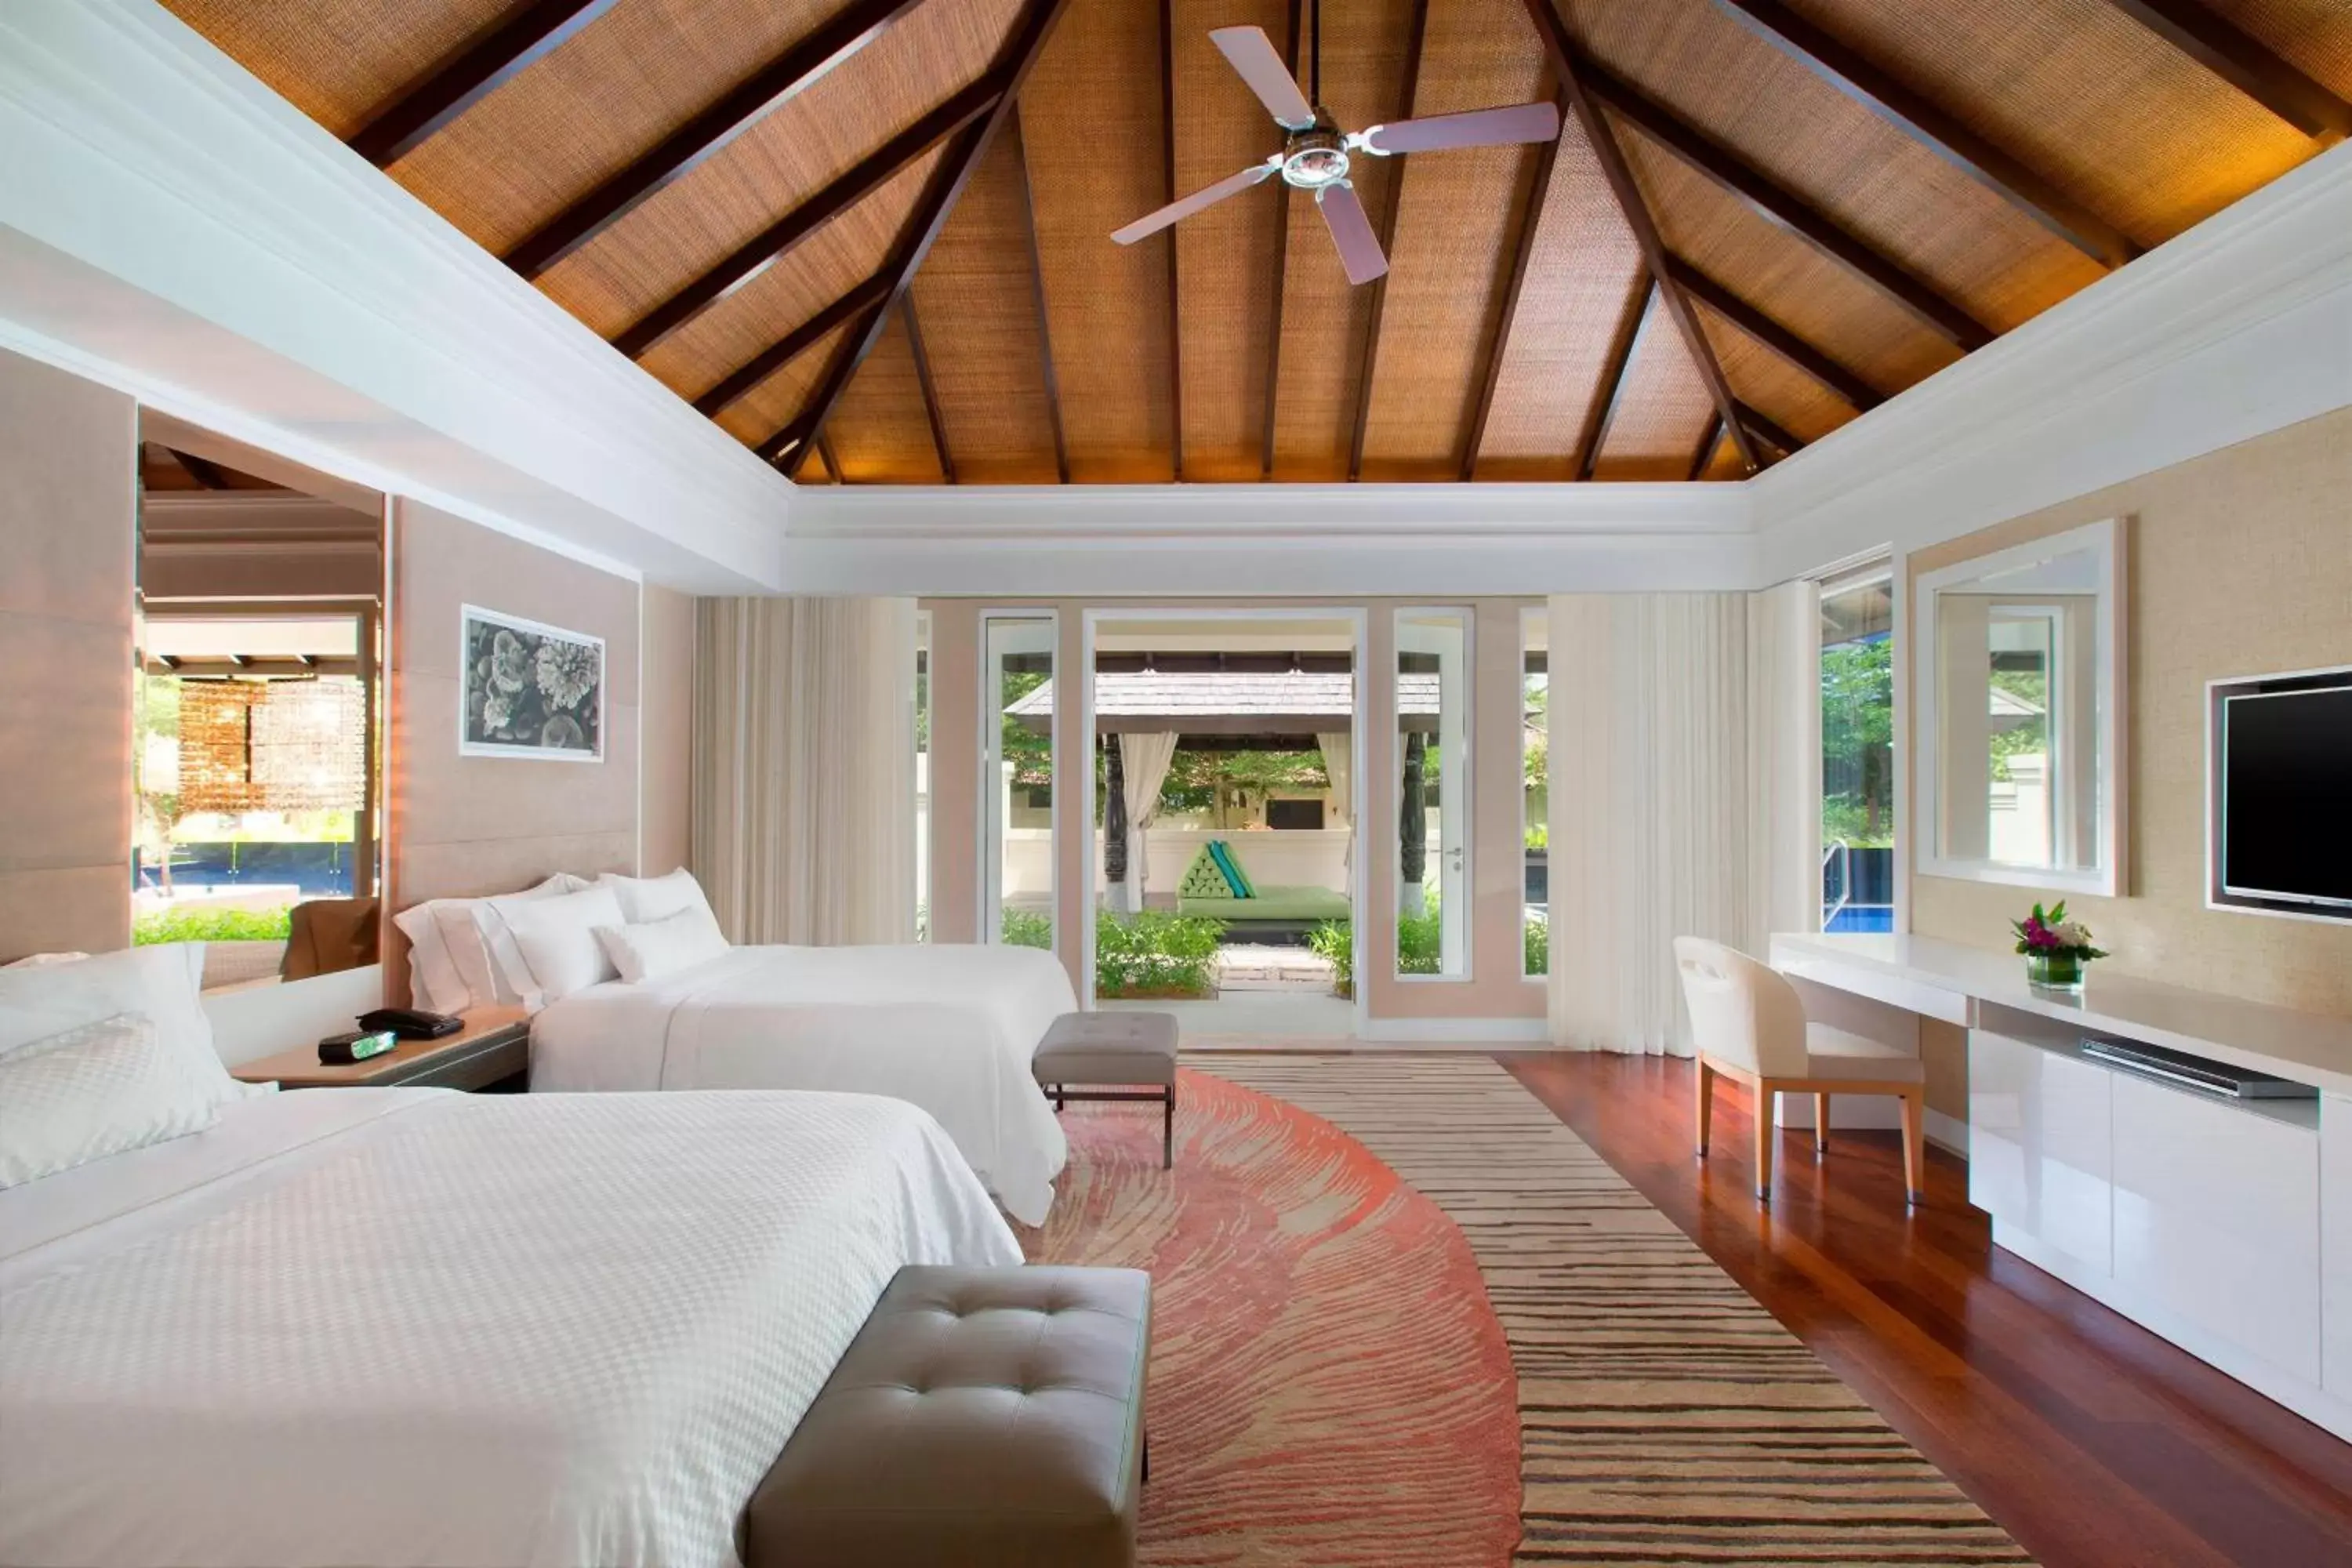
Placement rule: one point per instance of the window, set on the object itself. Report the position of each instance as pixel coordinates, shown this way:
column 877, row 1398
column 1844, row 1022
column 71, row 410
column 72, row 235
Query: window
column 1857, row 620
column 1433, row 690
column 1018, row 847
column 1535, row 795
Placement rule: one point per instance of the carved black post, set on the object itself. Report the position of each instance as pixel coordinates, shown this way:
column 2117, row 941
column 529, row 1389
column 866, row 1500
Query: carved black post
column 1413, row 827
column 1114, row 818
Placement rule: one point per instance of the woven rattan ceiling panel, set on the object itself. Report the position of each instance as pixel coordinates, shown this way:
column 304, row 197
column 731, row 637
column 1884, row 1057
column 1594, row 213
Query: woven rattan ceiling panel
column 777, row 401
column 339, row 61
column 1723, row 460
column 1324, row 317
column 1457, row 223
column 1583, row 267
column 879, row 430
column 2312, row 36
column 1766, row 382
column 771, row 169
column 2127, row 123
column 1662, row 412
column 976, row 307
column 833, row 261
column 1090, row 121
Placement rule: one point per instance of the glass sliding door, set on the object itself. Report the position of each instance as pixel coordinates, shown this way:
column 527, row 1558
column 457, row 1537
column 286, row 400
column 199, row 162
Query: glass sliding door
column 1017, row 775
column 1535, row 793
column 1857, row 616
column 1432, row 685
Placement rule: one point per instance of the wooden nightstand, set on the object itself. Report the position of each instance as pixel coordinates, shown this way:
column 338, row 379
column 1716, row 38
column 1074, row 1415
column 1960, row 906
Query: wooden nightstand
column 492, row 1051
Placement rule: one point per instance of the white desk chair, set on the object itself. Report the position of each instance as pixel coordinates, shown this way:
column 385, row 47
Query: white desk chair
column 1749, row 1025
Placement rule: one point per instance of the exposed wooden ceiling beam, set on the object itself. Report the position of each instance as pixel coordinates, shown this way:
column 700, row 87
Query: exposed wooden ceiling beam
column 1776, row 337
column 1019, row 53
column 860, row 299
column 780, row 239
column 831, row 459
column 1941, row 133
column 1572, row 70
column 2244, row 64
column 1037, row 291
column 1531, row 211
column 1370, row 359
column 1630, row 325
column 1782, row 206
column 1756, row 420
column 527, row 32
column 1706, row 445
column 685, row 149
column 1281, row 275
column 930, row 392
column 1167, row 191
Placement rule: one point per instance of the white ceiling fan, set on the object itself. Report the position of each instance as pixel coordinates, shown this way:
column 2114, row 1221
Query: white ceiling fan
column 1315, row 154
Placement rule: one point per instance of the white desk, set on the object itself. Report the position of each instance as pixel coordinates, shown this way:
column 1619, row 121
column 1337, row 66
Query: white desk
column 2224, row 1226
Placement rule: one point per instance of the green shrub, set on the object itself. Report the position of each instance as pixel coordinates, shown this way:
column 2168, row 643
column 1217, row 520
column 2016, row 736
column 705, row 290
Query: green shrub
column 1536, row 934
column 212, row 925
column 1335, row 942
column 1539, row 835
column 1421, row 939
column 1026, row 928
column 1157, row 953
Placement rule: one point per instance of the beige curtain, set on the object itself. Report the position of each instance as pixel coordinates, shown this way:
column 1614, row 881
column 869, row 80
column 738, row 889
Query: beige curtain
column 1340, row 765
column 1681, row 800
column 804, row 768
column 1144, row 759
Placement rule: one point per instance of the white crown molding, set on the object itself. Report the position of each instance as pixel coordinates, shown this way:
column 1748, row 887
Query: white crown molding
column 2239, row 327
column 171, row 227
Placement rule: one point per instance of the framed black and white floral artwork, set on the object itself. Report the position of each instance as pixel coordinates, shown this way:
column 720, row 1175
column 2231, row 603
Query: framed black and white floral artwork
column 531, row 690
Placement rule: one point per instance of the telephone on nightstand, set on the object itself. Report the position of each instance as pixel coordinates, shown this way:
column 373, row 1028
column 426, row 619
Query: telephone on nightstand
column 412, row 1023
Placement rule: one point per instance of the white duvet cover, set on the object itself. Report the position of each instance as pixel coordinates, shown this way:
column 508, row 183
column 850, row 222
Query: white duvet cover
column 412, row 1327
column 950, row 1027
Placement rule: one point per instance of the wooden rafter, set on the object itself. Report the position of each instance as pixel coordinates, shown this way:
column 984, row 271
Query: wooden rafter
column 1281, row 275
column 526, row 34
column 1531, row 211
column 685, row 149
column 1706, row 445
column 775, row 242
column 1020, row 51
column 860, row 299
column 1846, row 383
column 1168, row 192
column 1369, row 361
column 1037, row 291
column 931, row 392
column 1756, row 420
column 1571, row 69
column 1781, row 206
column 2244, row 64
column 1941, row 133
column 1632, row 322
column 831, row 459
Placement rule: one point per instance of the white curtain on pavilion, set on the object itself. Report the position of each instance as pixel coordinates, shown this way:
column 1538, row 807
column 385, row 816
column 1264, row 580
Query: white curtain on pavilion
column 805, row 768
column 1683, row 796
column 1143, row 758
column 1339, row 764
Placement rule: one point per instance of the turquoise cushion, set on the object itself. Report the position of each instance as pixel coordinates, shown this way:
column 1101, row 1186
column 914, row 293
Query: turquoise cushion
column 1224, row 859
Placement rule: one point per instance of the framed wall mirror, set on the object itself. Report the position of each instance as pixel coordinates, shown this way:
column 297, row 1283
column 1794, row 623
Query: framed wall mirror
column 2019, row 696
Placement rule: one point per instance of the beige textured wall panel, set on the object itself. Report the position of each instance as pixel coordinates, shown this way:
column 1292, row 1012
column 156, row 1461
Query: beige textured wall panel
column 84, row 910
column 2241, row 564
column 665, row 731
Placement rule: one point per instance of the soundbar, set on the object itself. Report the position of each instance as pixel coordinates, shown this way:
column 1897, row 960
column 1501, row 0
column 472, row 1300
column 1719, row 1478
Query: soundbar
column 2195, row 1072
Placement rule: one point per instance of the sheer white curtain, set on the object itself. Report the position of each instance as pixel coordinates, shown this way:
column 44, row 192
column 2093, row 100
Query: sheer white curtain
column 1340, row 765
column 1143, row 761
column 1681, row 797
column 805, row 768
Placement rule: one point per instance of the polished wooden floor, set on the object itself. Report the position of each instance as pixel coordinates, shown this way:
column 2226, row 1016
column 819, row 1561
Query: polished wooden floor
column 2094, row 1442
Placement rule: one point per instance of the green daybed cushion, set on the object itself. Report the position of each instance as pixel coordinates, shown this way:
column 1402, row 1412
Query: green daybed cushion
column 1231, row 865
column 1271, row 904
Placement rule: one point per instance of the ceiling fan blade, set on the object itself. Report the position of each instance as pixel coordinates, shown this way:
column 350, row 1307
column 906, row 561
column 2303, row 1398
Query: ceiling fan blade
column 1252, row 55
column 1478, row 128
column 1351, row 231
column 1152, row 224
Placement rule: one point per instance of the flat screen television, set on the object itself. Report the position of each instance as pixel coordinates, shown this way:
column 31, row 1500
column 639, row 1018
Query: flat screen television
column 2285, row 832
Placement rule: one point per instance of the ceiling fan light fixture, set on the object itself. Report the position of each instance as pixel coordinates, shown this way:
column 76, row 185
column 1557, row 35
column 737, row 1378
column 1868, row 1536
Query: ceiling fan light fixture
column 1315, row 159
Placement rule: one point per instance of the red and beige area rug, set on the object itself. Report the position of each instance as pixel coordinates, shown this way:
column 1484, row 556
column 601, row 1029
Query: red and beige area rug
column 1405, row 1317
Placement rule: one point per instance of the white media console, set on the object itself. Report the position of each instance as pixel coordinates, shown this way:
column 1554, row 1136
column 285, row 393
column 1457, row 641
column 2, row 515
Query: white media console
column 2224, row 1224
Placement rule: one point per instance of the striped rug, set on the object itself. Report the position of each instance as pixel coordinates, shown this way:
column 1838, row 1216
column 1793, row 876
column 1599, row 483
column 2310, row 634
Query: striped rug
column 1666, row 1417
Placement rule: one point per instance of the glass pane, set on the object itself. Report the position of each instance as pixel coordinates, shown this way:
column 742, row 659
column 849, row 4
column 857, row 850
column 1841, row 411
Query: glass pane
column 1858, row 757
column 923, row 776
column 2023, row 649
column 1019, row 846
column 1534, row 798
column 1432, row 792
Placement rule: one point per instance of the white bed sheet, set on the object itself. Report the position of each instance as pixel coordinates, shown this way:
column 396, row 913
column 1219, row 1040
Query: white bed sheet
column 950, row 1027
column 413, row 1327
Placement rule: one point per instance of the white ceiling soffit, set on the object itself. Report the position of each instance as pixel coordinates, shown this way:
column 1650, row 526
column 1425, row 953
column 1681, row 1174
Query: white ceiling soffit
column 170, row 227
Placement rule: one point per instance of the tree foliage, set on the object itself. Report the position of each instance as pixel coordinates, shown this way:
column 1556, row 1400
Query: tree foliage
column 1858, row 742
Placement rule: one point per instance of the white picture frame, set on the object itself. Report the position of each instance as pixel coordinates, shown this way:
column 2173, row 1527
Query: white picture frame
column 525, row 697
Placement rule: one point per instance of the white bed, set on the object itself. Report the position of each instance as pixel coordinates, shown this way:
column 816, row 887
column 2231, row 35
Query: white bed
column 950, row 1027
column 408, row 1326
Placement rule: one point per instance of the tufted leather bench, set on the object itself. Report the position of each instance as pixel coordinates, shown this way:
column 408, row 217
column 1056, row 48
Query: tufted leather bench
column 1113, row 1047
column 982, row 1417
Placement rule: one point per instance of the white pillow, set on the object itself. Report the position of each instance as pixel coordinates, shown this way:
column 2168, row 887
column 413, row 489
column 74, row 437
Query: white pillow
column 433, row 983
column 163, row 982
column 648, row 950
column 648, row 899
column 96, row 1089
column 483, row 950
column 558, row 940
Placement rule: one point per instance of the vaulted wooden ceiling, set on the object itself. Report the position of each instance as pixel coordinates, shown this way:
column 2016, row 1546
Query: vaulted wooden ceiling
column 871, row 239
